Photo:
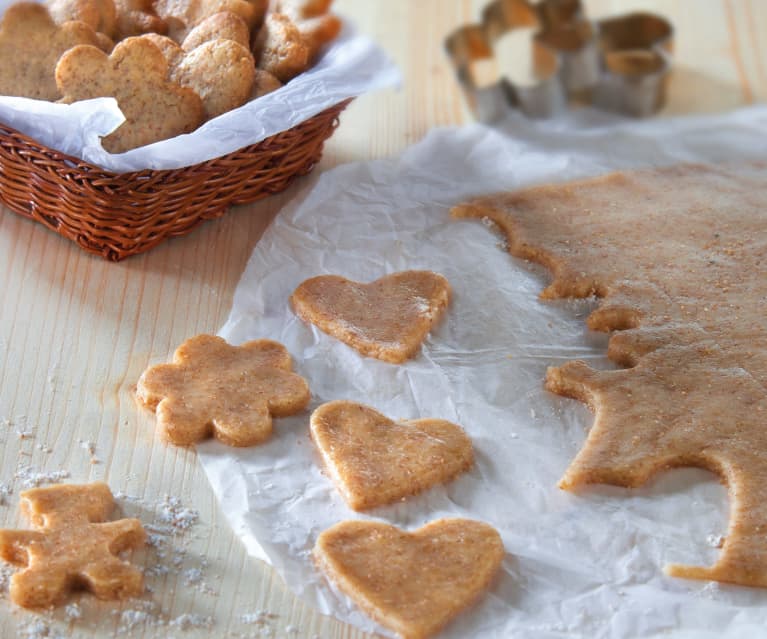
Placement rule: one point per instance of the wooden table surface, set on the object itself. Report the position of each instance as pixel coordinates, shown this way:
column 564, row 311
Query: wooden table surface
column 76, row 332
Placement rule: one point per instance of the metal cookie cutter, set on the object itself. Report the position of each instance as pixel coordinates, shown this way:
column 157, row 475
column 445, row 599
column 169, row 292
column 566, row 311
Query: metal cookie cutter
column 619, row 64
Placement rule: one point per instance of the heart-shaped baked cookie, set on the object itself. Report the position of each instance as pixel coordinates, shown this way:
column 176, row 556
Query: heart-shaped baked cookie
column 387, row 318
column 413, row 583
column 375, row 461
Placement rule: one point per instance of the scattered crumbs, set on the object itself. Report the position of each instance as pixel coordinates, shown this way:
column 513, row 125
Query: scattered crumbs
column 292, row 630
column 44, row 448
column 158, row 530
column 258, row 618
column 5, row 422
column 123, row 496
column 36, row 629
column 710, row 590
column 5, row 577
column 73, row 611
column 89, row 446
column 129, row 619
column 514, row 435
column 173, row 513
column 715, row 541
column 533, row 413
column 192, row 576
column 188, row 621
column 5, row 491
column 31, row 478
column 487, row 222
column 158, row 570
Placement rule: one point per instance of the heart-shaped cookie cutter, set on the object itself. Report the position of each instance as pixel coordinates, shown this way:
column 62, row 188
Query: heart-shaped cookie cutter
column 620, row 64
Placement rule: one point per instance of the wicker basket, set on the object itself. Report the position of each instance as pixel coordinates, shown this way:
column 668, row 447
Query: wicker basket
column 118, row 215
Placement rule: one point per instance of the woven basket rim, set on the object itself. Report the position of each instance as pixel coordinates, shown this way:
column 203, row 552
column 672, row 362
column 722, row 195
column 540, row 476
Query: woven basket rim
column 94, row 170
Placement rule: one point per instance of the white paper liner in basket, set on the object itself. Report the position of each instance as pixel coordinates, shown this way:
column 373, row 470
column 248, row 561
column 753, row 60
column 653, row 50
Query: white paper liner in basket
column 578, row 566
column 352, row 65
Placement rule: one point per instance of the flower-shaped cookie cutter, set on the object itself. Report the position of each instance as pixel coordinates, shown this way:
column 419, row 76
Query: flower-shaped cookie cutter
column 619, row 64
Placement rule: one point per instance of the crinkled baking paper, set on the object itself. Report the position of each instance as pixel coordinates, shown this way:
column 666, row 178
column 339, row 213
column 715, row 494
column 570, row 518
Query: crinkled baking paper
column 586, row 565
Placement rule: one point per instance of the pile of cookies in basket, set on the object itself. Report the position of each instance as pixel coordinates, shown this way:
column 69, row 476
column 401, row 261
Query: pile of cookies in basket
column 170, row 64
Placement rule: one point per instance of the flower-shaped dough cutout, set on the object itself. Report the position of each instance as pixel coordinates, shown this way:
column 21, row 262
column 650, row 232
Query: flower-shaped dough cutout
column 412, row 583
column 387, row 319
column 135, row 74
column 375, row 461
column 31, row 44
column 230, row 392
column 678, row 256
column 72, row 546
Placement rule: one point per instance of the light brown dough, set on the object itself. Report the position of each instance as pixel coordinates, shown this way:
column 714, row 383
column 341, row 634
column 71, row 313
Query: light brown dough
column 413, row 583
column 230, row 392
column 388, row 318
column 678, row 255
column 72, row 546
column 375, row 461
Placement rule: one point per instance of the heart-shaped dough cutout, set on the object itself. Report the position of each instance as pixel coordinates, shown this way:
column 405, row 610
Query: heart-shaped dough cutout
column 375, row 461
column 413, row 583
column 387, row 319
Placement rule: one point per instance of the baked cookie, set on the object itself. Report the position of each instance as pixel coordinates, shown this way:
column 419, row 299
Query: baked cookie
column 263, row 83
column 375, row 461
column 135, row 17
column 223, row 25
column 314, row 23
column 280, row 48
column 72, row 546
column 30, row 45
column 412, row 583
column 677, row 255
column 184, row 15
column 136, row 75
column 387, row 319
column 303, row 9
column 231, row 392
column 99, row 15
column 221, row 72
column 319, row 31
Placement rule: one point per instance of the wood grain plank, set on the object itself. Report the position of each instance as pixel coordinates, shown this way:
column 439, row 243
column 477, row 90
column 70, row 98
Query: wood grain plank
column 76, row 332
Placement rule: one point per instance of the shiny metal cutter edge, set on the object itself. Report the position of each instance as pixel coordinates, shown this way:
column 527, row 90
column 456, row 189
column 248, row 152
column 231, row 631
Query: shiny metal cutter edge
column 619, row 64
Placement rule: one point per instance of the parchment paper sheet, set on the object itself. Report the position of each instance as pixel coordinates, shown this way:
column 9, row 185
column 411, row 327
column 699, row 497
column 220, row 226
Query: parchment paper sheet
column 351, row 66
column 586, row 565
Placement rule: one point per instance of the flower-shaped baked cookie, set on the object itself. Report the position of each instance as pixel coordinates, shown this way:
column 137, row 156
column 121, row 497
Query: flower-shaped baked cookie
column 135, row 74
column 231, row 392
column 30, row 44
